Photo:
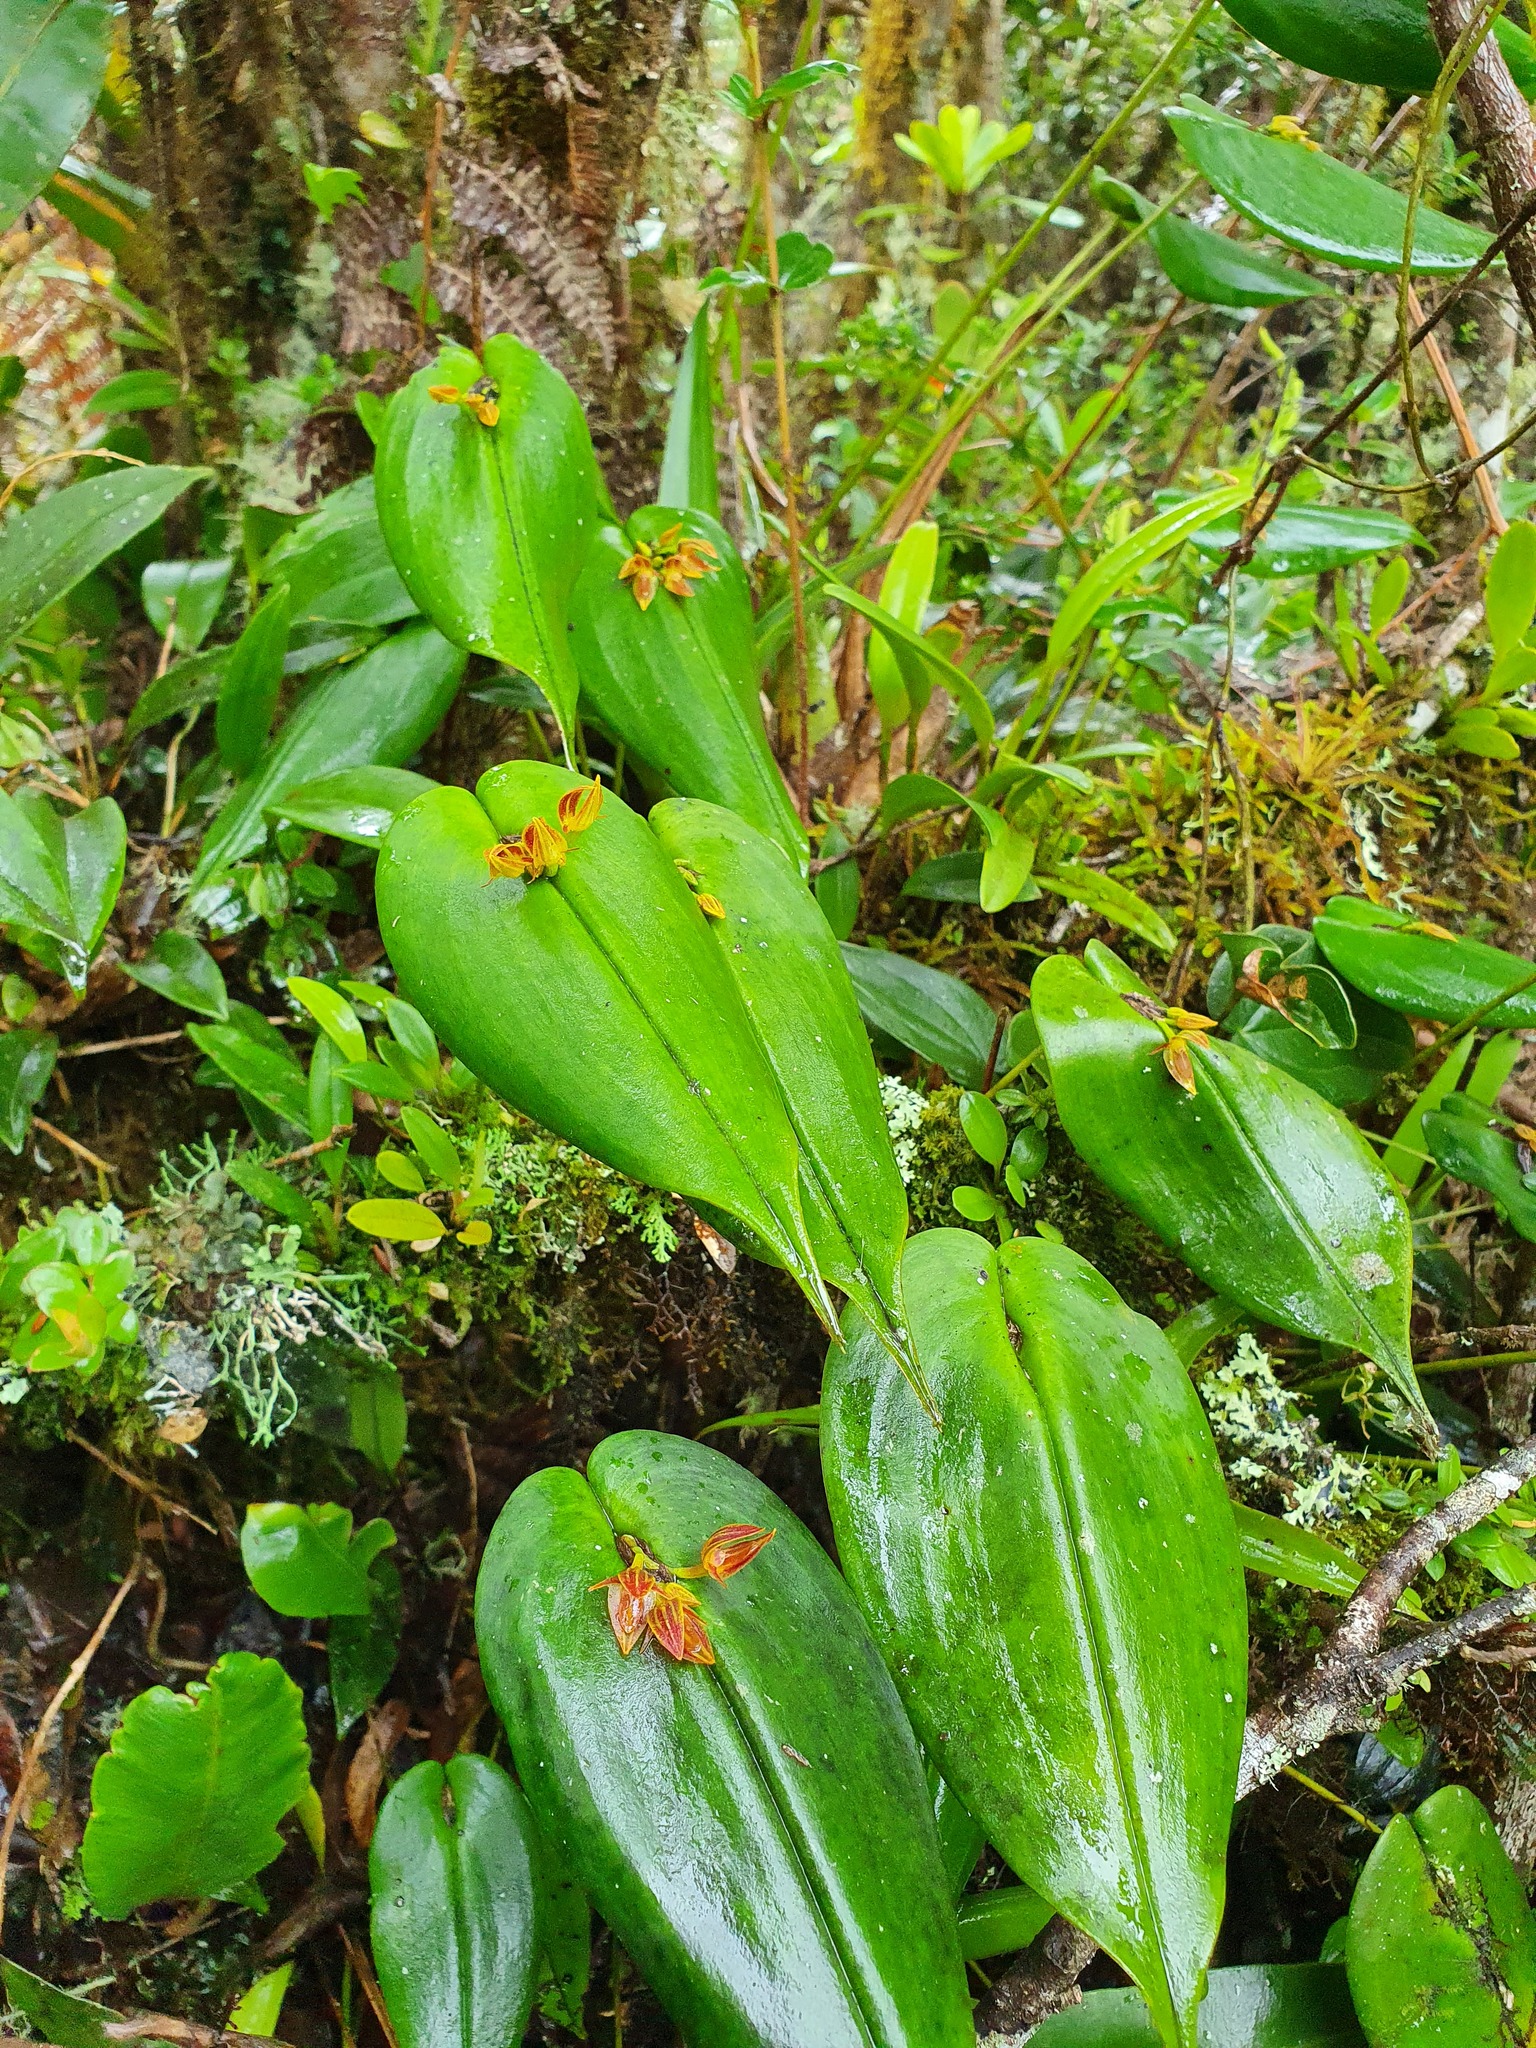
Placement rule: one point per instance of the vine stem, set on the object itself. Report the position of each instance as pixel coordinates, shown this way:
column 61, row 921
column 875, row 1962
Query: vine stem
column 434, row 156
column 764, row 176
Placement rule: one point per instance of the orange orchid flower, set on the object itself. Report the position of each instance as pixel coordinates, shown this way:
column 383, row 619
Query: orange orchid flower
column 536, row 851
column 673, row 562
column 579, row 808
column 647, row 1599
column 732, row 1547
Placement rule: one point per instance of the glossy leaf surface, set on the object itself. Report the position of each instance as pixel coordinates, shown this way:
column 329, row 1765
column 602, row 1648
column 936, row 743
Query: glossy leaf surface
column 47, row 550
column 26, row 1066
column 1215, row 270
column 337, row 565
column 185, row 972
column 1377, row 42
column 1463, row 1142
column 59, row 878
column 375, row 712
column 55, row 57
column 1441, row 1942
column 1056, row 1587
column 1255, row 2005
column 758, row 1832
column 307, row 1560
column 606, row 968
column 1309, row 540
column 905, row 589
column 253, row 676
column 1448, row 979
column 361, row 1649
column 454, row 1913
column 358, row 805
column 795, row 989
column 677, row 682
column 936, row 1015
column 185, row 1803
column 1252, row 1159
column 689, row 470
column 490, row 526
column 1316, row 203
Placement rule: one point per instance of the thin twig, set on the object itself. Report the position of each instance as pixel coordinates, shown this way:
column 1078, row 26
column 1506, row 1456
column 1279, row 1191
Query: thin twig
column 163, row 1501
column 50, row 1714
column 370, row 1984
column 73, row 1145
column 81, row 1052
column 313, row 1151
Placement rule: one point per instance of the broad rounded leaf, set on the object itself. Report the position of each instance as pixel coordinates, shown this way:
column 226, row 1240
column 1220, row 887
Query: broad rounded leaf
column 377, row 711
column 936, row 1015
column 786, row 1771
column 1266, row 1191
column 454, row 1914
column 185, row 1804
column 1316, row 203
column 1255, row 2005
column 54, row 60
column 1441, row 1943
column 1055, row 1585
column 185, row 972
column 403, row 1222
column 307, row 1561
column 606, row 968
column 490, row 525
column 47, row 550
column 677, row 682
column 1377, row 950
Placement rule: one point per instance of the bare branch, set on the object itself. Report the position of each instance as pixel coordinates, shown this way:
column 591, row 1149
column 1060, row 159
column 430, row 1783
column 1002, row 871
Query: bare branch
column 1042, row 1982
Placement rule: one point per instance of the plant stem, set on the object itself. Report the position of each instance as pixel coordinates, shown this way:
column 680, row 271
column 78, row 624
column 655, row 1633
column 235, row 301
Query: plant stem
column 786, row 443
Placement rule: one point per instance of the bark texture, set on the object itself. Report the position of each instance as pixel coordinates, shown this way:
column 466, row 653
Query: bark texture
column 1504, row 135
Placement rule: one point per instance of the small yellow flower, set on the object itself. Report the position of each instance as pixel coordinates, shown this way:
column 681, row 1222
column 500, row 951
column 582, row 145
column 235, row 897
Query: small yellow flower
column 711, row 905
column 673, row 562
column 536, row 851
column 1288, row 130
column 579, row 808
column 479, row 399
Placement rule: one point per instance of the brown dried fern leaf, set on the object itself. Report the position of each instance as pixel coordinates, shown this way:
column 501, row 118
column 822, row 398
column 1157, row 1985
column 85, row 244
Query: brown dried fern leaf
column 517, row 205
column 508, row 305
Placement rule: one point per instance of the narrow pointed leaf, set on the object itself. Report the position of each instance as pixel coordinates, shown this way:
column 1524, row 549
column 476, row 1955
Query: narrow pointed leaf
column 51, row 68
column 47, row 550
column 377, row 711
column 253, row 676
column 1316, row 203
column 337, row 565
column 1087, row 1705
column 358, row 805
column 1252, row 1159
column 1112, row 572
column 1215, row 270
column 899, row 692
column 689, row 469
column 920, row 662
column 936, row 1015
column 454, row 1915
column 1309, row 540
column 606, row 969
column 490, row 525
column 677, row 682
column 1105, row 897
column 785, row 1770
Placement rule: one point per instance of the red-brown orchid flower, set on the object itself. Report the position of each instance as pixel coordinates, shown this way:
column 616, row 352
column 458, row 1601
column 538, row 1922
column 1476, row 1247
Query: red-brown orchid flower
column 538, row 850
column 647, row 1599
column 579, row 808
column 672, row 562
column 732, row 1547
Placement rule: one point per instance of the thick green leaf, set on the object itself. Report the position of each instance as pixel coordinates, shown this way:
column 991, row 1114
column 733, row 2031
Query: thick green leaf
column 1113, row 571
column 566, row 1964
column 375, row 712
column 253, row 676
column 1464, row 1143
column 137, row 391
column 55, row 2015
column 901, row 693
column 361, row 1649
column 52, row 63
column 490, row 526
column 606, row 969
column 358, row 805
column 307, row 1560
column 259, row 1068
column 1316, row 203
column 919, row 660
column 677, row 682
column 26, row 1066
column 1281, row 1551
column 997, row 1923
column 400, row 1222
column 1256, row 2005
column 185, row 972
column 1105, row 897
column 1441, row 1943
column 1309, row 540
column 34, row 890
column 333, row 1013
column 1384, row 1042
column 185, row 686
column 1253, row 1159
column 185, row 1804
column 260, row 2008
column 796, row 992
column 1509, row 589
column 935, row 1015
column 947, row 878
column 337, row 566
column 690, row 478
column 1214, row 270
column 46, row 551
column 1088, row 1710
column 1372, row 42
column 85, row 852
column 186, row 594
column 786, row 1770
column 454, row 1913
column 1421, row 975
